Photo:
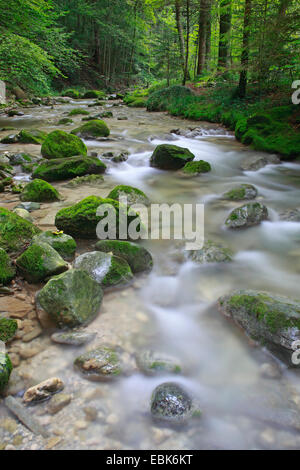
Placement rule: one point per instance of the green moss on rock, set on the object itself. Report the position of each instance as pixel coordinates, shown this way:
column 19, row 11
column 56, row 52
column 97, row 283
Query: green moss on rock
column 78, row 111
column 103, row 363
column 60, row 144
column 200, row 166
column 8, row 328
column 71, row 93
column 67, row 168
column 15, row 231
column 247, row 215
column 138, row 258
column 92, row 130
column 39, row 191
column 133, row 195
column 244, row 191
column 170, row 157
column 62, row 243
column 65, row 121
column 7, row 270
column 32, row 136
column 5, row 370
column 40, row 261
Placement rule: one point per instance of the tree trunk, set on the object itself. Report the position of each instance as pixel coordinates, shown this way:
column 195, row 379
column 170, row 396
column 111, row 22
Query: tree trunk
column 245, row 51
column 202, row 35
column 187, row 49
column 208, row 37
column 225, row 26
column 180, row 34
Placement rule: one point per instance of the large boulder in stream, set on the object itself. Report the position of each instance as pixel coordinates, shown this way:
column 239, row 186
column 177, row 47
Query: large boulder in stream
column 240, row 193
column 104, row 268
column 92, row 130
column 71, row 299
column 7, row 270
column 196, row 168
column 133, row 195
column 61, row 242
column 39, row 191
column 272, row 320
column 15, row 232
column 170, row 157
column 67, row 168
column 170, row 402
column 81, row 219
column 247, row 215
column 211, row 252
column 60, row 144
column 138, row 258
column 40, row 261
column 26, row 136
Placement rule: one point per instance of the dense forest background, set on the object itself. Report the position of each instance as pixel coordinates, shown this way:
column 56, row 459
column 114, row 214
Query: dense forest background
column 49, row 45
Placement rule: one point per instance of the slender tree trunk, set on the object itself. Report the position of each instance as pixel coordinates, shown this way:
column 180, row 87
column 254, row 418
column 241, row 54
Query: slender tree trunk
column 225, row 27
column 245, row 51
column 180, row 34
column 135, row 10
column 202, row 36
column 208, row 37
column 187, row 49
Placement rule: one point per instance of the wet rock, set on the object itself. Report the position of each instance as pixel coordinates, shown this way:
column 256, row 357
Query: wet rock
column 8, row 328
column 196, row 168
column 170, row 157
column 102, row 363
column 40, row 261
column 16, row 232
column 39, row 191
column 67, row 168
column 122, row 157
column 210, row 253
column 43, row 391
column 5, row 367
column 71, row 299
column 24, row 214
column 58, row 402
column 90, row 180
column 290, row 215
column 104, row 268
column 132, row 195
column 272, row 320
column 170, row 402
column 20, row 158
column 65, row 245
column 247, row 215
column 138, row 258
column 28, row 206
column 65, row 121
column 73, row 338
column 60, row 144
column 92, row 130
column 31, row 136
column 153, row 363
column 259, row 161
column 25, row 416
column 9, row 139
column 242, row 192
column 81, row 219
column 7, row 269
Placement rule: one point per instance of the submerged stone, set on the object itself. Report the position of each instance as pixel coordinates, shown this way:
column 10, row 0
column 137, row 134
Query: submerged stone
column 290, row 215
column 170, row 402
column 73, row 338
column 210, row 253
column 71, row 299
column 270, row 319
column 247, row 215
column 153, row 363
column 104, row 268
column 244, row 191
column 170, row 157
column 138, row 258
column 64, row 244
column 102, row 363
column 259, row 161
column 40, row 261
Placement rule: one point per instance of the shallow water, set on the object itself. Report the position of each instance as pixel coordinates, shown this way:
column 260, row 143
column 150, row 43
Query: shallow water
column 173, row 309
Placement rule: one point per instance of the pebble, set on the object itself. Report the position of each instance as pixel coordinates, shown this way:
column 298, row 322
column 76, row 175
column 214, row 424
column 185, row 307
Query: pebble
column 58, row 402
column 43, row 391
column 91, row 413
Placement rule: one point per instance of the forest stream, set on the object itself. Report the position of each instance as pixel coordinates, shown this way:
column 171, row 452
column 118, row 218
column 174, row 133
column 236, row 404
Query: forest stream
column 173, row 309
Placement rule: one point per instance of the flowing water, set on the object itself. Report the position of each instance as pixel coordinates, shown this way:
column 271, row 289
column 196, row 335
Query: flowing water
column 173, row 309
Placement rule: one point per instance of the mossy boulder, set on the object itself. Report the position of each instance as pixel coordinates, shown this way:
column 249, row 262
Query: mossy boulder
column 7, row 270
column 39, row 191
column 133, row 195
column 270, row 319
column 8, row 328
column 78, row 111
column 62, row 243
column 15, row 232
column 65, row 121
column 196, row 168
column 100, row 364
column 81, row 219
column 71, row 299
column 170, row 402
column 91, row 94
column 32, row 136
column 170, row 157
column 210, row 253
column 40, row 261
column 92, row 130
column 153, row 363
column 138, row 258
column 67, row 168
column 104, row 268
column 242, row 192
column 71, row 93
column 247, row 215
column 5, row 370
column 60, row 144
